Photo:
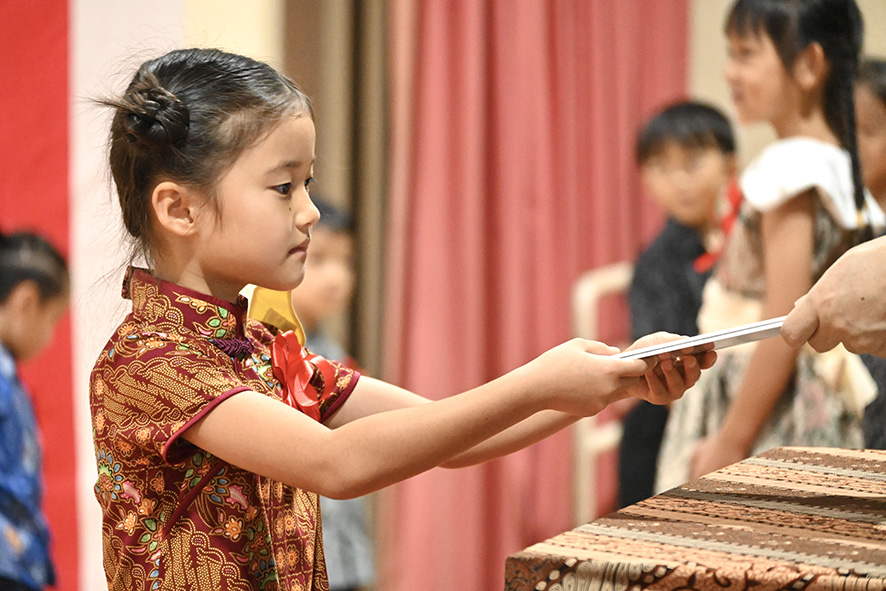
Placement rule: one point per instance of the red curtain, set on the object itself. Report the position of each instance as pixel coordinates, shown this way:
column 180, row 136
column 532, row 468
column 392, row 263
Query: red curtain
column 34, row 197
column 512, row 172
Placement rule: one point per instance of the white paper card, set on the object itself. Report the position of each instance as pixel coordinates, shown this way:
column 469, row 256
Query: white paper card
column 720, row 339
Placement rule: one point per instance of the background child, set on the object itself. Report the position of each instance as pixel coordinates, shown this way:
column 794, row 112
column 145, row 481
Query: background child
column 791, row 64
column 870, row 104
column 324, row 294
column 686, row 154
column 33, row 297
column 213, row 432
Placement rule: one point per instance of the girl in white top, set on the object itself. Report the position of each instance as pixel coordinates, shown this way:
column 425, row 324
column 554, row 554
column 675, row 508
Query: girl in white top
column 791, row 64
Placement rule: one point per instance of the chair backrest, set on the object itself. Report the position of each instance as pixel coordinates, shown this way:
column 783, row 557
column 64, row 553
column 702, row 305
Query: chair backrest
column 590, row 289
column 591, row 437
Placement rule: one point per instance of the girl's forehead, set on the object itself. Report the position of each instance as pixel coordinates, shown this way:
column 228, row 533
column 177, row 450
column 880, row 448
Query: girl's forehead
column 286, row 144
column 747, row 35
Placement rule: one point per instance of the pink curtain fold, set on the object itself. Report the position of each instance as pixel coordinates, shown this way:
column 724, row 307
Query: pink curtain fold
column 512, row 172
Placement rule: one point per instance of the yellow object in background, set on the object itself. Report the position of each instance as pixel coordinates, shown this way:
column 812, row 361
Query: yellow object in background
column 274, row 308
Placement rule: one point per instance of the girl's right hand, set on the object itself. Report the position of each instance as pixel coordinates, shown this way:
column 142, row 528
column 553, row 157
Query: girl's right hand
column 582, row 377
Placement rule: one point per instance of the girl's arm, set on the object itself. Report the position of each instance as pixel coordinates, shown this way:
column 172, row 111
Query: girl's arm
column 267, row 437
column 787, row 235
column 373, row 396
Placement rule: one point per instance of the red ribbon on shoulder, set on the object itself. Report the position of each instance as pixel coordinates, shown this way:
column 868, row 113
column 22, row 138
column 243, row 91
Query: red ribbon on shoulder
column 295, row 367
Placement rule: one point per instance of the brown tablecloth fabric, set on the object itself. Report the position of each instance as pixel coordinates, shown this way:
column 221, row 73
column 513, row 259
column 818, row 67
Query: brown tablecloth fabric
column 791, row 519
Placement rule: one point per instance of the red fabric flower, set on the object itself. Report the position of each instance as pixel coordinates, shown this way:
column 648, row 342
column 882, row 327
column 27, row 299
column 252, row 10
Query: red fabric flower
column 295, row 368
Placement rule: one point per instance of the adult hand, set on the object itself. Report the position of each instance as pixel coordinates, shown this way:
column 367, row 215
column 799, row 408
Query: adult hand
column 848, row 304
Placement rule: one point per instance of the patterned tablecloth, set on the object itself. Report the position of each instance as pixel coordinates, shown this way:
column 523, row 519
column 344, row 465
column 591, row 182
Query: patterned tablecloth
column 791, row 519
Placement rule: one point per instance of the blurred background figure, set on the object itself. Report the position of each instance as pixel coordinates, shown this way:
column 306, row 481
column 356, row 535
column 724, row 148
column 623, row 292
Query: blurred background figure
column 804, row 205
column 34, row 291
column 686, row 154
column 870, row 106
column 323, row 297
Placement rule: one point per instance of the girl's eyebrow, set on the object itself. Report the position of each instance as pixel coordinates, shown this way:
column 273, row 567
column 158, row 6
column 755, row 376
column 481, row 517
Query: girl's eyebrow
column 289, row 164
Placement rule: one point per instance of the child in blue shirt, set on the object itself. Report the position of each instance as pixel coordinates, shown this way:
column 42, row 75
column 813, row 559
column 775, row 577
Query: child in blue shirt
column 33, row 298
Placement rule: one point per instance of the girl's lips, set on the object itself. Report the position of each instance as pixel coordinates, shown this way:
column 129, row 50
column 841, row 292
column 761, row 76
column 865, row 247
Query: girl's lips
column 301, row 248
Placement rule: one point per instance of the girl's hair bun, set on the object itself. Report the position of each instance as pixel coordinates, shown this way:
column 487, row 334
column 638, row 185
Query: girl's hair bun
column 154, row 116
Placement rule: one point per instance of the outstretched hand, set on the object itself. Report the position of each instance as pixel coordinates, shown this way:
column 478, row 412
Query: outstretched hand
column 582, row 377
column 845, row 305
column 665, row 380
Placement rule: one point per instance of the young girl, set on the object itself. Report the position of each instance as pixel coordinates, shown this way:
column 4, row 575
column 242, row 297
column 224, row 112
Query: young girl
column 213, row 432
column 791, row 64
column 33, row 297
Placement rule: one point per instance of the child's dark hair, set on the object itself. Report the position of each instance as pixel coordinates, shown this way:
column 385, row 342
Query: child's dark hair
column 185, row 117
column 28, row 257
column 872, row 73
column 332, row 216
column 837, row 26
column 690, row 124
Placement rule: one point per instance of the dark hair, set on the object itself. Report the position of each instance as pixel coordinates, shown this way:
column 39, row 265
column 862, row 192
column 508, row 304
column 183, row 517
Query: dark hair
column 837, row 26
column 185, row 117
column 332, row 216
column 28, row 257
column 690, row 124
column 872, row 73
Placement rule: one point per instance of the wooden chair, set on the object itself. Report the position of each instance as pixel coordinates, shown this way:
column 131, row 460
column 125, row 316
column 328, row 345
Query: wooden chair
column 591, row 437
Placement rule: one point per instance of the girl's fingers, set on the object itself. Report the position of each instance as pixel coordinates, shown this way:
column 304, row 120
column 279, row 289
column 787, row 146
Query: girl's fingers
column 661, row 381
column 674, row 377
column 707, row 359
column 691, row 371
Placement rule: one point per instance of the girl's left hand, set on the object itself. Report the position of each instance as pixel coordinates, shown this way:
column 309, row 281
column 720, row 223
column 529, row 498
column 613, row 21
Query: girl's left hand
column 713, row 453
column 668, row 379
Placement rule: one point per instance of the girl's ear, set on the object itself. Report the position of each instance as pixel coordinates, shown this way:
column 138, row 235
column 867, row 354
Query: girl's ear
column 812, row 67
column 175, row 207
column 24, row 297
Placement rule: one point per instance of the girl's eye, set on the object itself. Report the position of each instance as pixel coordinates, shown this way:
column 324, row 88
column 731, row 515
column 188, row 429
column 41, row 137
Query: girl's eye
column 308, row 182
column 283, row 189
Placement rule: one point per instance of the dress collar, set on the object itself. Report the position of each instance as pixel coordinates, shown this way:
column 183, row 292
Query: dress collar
column 208, row 316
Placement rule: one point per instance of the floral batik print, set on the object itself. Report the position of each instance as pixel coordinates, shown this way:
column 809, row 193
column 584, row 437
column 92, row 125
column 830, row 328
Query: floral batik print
column 174, row 516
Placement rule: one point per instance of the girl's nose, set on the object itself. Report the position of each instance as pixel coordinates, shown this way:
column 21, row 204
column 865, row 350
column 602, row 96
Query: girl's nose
column 307, row 214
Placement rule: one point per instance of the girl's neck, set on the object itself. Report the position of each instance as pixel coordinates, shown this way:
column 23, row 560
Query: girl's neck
column 805, row 118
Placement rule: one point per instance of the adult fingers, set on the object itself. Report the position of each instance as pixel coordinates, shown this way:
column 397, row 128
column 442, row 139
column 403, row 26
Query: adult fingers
column 801, row 323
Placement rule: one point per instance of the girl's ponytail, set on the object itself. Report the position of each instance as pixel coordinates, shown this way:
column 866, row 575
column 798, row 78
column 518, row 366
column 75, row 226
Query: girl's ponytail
column 840, row 104
column 846, row 89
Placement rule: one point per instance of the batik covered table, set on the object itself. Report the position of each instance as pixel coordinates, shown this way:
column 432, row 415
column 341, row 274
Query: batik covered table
column 791, row 519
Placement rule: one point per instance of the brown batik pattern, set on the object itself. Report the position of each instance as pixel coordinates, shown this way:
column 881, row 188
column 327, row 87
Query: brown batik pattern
column 791, row 519
column 174, row 516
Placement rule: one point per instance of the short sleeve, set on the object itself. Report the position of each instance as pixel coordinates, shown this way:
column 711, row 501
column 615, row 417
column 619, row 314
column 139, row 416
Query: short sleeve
column 152, row 393
column 791, row 167
column 334, row 394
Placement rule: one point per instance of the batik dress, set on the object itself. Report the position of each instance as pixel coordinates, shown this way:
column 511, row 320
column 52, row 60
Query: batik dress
column 174, row 516
column 823, row 403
